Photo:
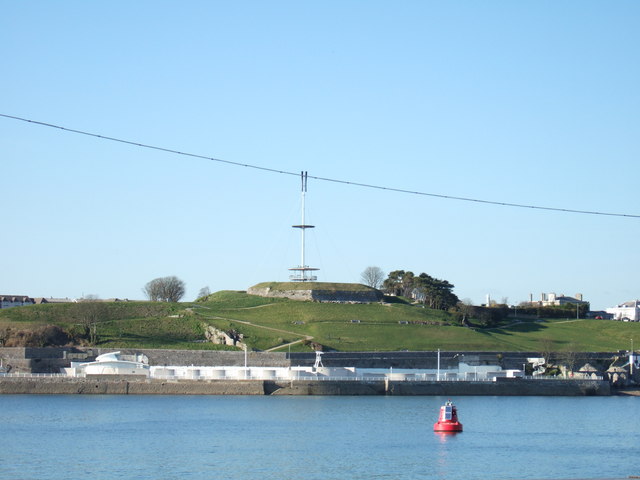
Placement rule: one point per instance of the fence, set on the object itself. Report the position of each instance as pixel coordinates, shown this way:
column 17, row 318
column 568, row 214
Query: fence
column 318, row 378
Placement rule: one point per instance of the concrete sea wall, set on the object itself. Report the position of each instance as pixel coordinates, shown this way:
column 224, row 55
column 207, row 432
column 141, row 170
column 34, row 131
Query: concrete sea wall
column 114, row 385
column 50, row 360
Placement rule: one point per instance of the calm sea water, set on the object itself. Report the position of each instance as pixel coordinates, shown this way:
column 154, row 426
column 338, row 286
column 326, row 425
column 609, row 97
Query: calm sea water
column 202, row 437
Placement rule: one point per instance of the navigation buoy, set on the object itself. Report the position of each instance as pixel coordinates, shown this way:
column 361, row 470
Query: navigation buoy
column 448, row 419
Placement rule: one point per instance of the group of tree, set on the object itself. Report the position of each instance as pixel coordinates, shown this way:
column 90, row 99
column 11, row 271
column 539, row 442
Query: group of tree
column 481, row 316
column 165, row 289
column 568, row 310
column 423, row 288
column 169, row 289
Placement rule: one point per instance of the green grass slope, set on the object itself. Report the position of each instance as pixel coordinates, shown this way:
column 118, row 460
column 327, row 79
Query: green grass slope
column 282, row 324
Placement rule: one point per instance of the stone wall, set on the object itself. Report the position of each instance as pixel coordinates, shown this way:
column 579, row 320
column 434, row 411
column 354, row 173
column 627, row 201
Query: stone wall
column 334, row 296
column 119, row 386
column 108, row 385
column 338, row 296
column 304, row 295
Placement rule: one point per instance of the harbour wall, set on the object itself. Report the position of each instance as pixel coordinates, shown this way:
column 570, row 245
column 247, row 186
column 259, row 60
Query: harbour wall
column 115, row 385
column 51, row 359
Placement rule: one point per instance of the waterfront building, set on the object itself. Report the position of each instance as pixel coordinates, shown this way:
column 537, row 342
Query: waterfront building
column 627, row 311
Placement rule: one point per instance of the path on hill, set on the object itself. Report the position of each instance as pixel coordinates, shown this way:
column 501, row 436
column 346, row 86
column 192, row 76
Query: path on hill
column 254, row 306
column 251, row 324
column 278, row 347
column 273, row 349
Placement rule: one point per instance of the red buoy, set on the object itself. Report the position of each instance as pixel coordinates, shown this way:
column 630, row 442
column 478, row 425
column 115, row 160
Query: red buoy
column 448, row 419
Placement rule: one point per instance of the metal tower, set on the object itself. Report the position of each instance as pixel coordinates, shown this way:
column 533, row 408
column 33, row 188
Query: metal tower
column 303, row 273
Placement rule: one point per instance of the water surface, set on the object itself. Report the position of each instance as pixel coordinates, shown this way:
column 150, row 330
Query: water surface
column 202, row 437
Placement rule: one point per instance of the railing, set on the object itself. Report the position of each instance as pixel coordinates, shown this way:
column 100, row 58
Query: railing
column 32, row 375
column 312, row 378
column 360, row 378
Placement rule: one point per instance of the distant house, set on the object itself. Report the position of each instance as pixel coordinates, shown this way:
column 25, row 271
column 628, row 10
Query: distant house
column 8, row 301
column 629, row 311
column 418, row 295
column 553, row 300
column 41, row 300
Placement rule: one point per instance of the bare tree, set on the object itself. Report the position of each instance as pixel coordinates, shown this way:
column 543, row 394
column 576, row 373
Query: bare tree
column 547, row 350
column 165, row 289
column 570, row 357
column 204, row 292
column 466, row 309
column 90, row 313
column 373, row 277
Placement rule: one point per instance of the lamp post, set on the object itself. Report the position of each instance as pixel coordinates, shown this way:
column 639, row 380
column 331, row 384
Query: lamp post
column 631, row 359
column 246, row 373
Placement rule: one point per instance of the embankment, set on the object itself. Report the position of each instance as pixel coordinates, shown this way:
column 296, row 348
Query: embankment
column 107, row 385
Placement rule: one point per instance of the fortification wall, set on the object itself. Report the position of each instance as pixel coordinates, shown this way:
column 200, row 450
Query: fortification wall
column 303, row 295
column 334, row 296
column 370, row 296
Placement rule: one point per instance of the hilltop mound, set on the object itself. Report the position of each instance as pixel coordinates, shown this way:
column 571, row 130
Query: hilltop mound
column 318, row 291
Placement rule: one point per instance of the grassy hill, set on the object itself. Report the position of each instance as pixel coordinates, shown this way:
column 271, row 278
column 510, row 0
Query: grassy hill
column 272, row 323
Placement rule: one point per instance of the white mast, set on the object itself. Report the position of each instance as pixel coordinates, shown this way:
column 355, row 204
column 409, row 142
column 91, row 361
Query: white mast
column 302, row 271
column 303, row 227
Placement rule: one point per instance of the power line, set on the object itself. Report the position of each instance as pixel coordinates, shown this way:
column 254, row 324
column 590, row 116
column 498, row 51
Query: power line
column 324, row 179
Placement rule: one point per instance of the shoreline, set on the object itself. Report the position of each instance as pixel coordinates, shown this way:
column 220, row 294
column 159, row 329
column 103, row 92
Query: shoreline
column 117, row 385
column 628, row 392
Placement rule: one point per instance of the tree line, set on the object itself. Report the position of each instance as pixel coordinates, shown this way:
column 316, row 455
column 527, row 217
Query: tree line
column 423, row 288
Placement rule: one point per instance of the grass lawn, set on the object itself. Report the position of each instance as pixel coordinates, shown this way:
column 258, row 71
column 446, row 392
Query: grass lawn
column 269, row 323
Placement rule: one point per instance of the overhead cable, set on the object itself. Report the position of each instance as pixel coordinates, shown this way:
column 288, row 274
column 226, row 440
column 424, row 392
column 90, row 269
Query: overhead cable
column 324, row 179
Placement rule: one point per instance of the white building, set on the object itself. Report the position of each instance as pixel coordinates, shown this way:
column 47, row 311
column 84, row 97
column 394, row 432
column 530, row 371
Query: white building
column 113, row 363
column 629, row 311
column 551, row 299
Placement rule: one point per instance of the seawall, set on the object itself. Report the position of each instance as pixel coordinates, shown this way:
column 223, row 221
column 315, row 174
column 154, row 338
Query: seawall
column 51, row 359
column 118, row 385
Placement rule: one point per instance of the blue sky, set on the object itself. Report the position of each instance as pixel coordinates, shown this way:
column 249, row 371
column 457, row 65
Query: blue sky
column 522, row 102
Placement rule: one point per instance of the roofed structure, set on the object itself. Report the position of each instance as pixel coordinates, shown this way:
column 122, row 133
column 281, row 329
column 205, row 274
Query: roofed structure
column 629, row 311
column 8, row 301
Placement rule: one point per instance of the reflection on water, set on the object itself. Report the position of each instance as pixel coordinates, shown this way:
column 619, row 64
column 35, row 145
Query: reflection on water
column 445, row 436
